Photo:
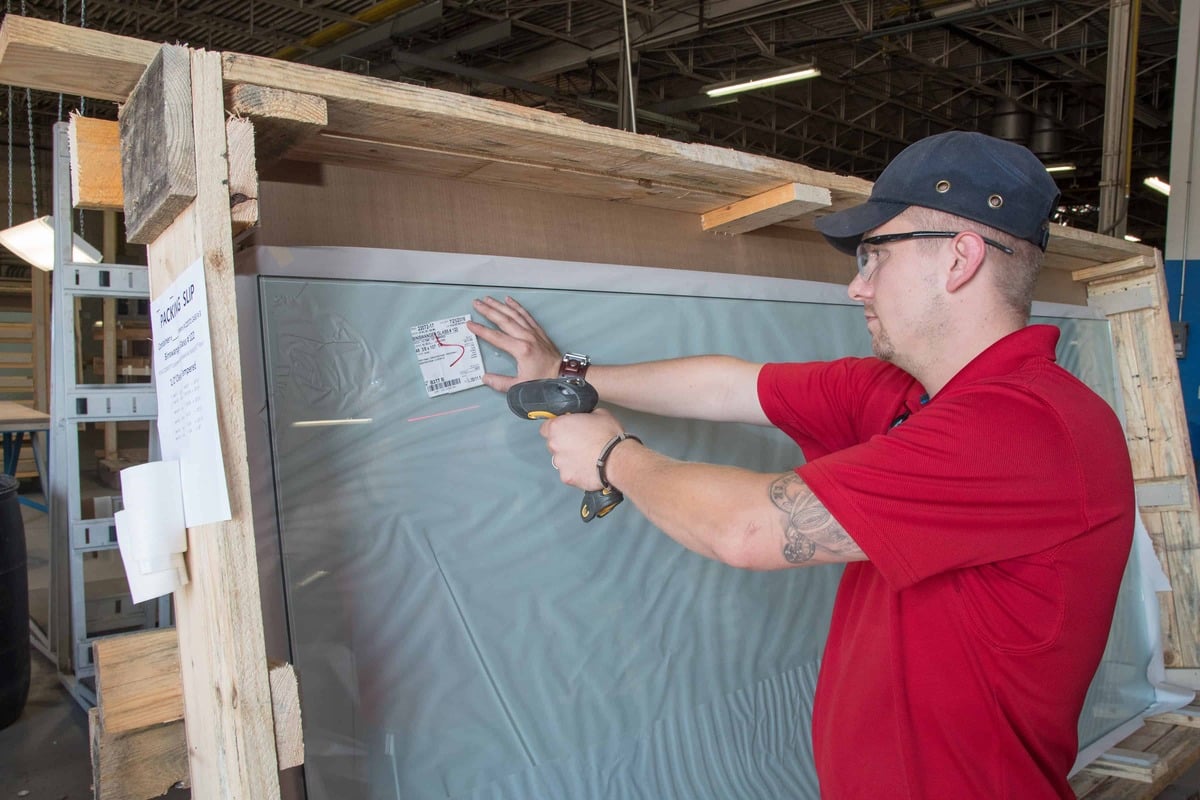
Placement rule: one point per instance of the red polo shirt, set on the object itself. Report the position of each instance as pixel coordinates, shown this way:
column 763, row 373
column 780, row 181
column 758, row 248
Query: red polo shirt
column 997, row 519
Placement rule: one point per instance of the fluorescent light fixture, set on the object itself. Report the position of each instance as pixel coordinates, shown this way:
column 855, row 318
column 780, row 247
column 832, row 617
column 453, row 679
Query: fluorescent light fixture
column 774, row 79
column 1060, row 168
column 34, row 242
column 1158, row 185
column 1129, row 237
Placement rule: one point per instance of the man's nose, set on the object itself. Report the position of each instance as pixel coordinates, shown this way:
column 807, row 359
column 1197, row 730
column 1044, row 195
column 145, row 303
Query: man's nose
column 858, row 289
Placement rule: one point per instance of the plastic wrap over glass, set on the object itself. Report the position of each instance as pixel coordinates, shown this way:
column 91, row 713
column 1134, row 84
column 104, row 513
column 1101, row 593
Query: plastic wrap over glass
column 461, row 633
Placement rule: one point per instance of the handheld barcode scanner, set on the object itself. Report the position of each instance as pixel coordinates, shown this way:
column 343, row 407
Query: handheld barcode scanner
column 552, row 397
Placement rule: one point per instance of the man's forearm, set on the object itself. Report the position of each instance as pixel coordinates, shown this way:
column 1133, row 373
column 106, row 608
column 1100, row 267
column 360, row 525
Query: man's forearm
column 717, row 388
column 742, row 518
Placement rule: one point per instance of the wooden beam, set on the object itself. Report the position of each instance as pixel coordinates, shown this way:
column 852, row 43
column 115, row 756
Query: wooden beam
column 1132, row 765
column 95, row 164
column 137, row 765
column 227, row 695
column 157, row 165
column 285, row 707
column 72, row 60
column 243, row 174
column 282, row 118
column 1126, row 266
column 144, row 762
column 780, row 204
column 1188, row 716
column 139, row 685
column 137, row 680
column 1156, row 432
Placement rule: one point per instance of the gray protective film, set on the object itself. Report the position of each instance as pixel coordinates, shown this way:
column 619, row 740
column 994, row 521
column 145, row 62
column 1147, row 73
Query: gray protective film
column 458, row 630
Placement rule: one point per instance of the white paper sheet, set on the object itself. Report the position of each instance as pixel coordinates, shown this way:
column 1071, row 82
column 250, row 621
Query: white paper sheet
column 187, row 404
column 150, row 529
column 448, row 354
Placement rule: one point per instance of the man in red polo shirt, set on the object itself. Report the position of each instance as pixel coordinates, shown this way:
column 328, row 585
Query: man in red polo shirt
column 980, row 496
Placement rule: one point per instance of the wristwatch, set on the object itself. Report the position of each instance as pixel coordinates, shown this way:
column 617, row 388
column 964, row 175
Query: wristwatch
column 574, row 365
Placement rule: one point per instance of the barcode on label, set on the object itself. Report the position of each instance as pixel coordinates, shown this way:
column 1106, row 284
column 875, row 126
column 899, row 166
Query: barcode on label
column 441, row 383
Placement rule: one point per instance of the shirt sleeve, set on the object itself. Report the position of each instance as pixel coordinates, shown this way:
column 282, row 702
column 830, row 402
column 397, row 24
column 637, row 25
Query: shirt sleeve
column 965, row 482
column 831, row 405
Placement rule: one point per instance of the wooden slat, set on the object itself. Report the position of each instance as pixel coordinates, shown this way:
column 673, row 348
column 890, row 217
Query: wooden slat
column 96, row 164
column 157, row 166
column 1188, row 716
column 1173, row 749
column 137, row 680
column 138, row 765
column 41, row 55
column 285, row 706
column 243, row 174
column 1126, row 266
column 227, row 696
column 16, row 330
column 282, row 119
column 1132, row 765
column 145, row 762
column 777, row 205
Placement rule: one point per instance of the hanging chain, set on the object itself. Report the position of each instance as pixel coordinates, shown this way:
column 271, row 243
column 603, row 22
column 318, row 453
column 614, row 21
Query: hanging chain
column 10, row 159
column 32, row 151
column 8, row 10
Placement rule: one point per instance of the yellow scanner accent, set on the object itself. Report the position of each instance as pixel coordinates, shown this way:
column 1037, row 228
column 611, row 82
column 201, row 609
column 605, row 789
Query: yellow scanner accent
column 540, row 415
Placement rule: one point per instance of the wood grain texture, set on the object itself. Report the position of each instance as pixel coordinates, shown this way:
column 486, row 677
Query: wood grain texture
column 136, row 765
column 227, row 697
column 137, row 680
column 406, row 128
column 1157, row 436
column 285, row 705
column 282, row 118
column 144, row 762
column 243, row 174
column 780, row 204
column 72, row 60
column 96, row 164
column 157, row 168
column 1174, row 749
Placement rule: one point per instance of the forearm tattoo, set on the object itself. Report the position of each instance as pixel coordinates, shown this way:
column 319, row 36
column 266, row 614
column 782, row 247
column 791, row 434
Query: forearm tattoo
column 807, row 524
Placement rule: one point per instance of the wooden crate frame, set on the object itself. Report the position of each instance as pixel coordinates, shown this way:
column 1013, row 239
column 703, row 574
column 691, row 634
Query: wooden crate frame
column 473, row 147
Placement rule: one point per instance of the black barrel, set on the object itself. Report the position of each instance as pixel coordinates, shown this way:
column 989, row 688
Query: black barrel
column 14, row 606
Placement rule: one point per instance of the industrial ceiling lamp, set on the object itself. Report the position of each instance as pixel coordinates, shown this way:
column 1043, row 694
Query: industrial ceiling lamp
column 1158, row 184
column 34, row 242
column 1052, row 168
column 796, row 73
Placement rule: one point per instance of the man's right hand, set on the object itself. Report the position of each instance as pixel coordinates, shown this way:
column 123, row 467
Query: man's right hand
column 518, row 334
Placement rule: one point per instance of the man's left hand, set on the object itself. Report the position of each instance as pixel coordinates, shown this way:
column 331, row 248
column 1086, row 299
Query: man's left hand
column 575, row 441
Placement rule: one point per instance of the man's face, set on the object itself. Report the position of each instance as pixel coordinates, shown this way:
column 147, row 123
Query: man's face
column 898, row 287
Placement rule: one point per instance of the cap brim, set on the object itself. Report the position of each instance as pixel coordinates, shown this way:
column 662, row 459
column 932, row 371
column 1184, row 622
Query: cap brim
column 845, row 229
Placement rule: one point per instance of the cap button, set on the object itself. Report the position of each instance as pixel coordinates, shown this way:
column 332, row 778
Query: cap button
column 941, row 187
column 995, row 201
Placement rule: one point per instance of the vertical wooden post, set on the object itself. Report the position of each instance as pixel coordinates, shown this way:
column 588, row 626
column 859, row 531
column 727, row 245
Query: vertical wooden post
column 1133, row 295
column 227, row 695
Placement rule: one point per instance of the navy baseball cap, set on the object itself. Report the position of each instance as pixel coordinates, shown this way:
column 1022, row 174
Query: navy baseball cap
column 967, row 174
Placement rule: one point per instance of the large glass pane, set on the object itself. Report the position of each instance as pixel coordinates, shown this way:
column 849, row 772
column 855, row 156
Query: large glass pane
column 460, row 632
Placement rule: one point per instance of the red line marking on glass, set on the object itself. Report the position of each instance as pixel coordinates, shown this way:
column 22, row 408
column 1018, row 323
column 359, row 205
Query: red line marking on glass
column 461, row 348
column 442, row 413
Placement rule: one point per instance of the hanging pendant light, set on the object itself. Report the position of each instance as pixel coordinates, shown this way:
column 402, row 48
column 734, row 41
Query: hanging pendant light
column 33, row 241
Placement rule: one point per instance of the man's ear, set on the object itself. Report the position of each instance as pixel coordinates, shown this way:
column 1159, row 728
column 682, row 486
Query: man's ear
column 969, row 251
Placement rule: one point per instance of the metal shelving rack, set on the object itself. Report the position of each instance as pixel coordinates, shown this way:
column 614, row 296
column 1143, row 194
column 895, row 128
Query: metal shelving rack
column 72, row 536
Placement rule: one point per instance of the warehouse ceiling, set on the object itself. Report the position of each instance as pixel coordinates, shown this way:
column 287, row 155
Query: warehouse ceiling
column 891, row 72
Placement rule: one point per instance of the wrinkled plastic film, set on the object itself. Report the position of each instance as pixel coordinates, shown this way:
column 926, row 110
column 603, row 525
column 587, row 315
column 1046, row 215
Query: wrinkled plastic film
column 461, row 633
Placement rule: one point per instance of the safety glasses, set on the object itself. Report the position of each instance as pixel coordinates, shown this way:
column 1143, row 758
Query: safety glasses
column 868, row 254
